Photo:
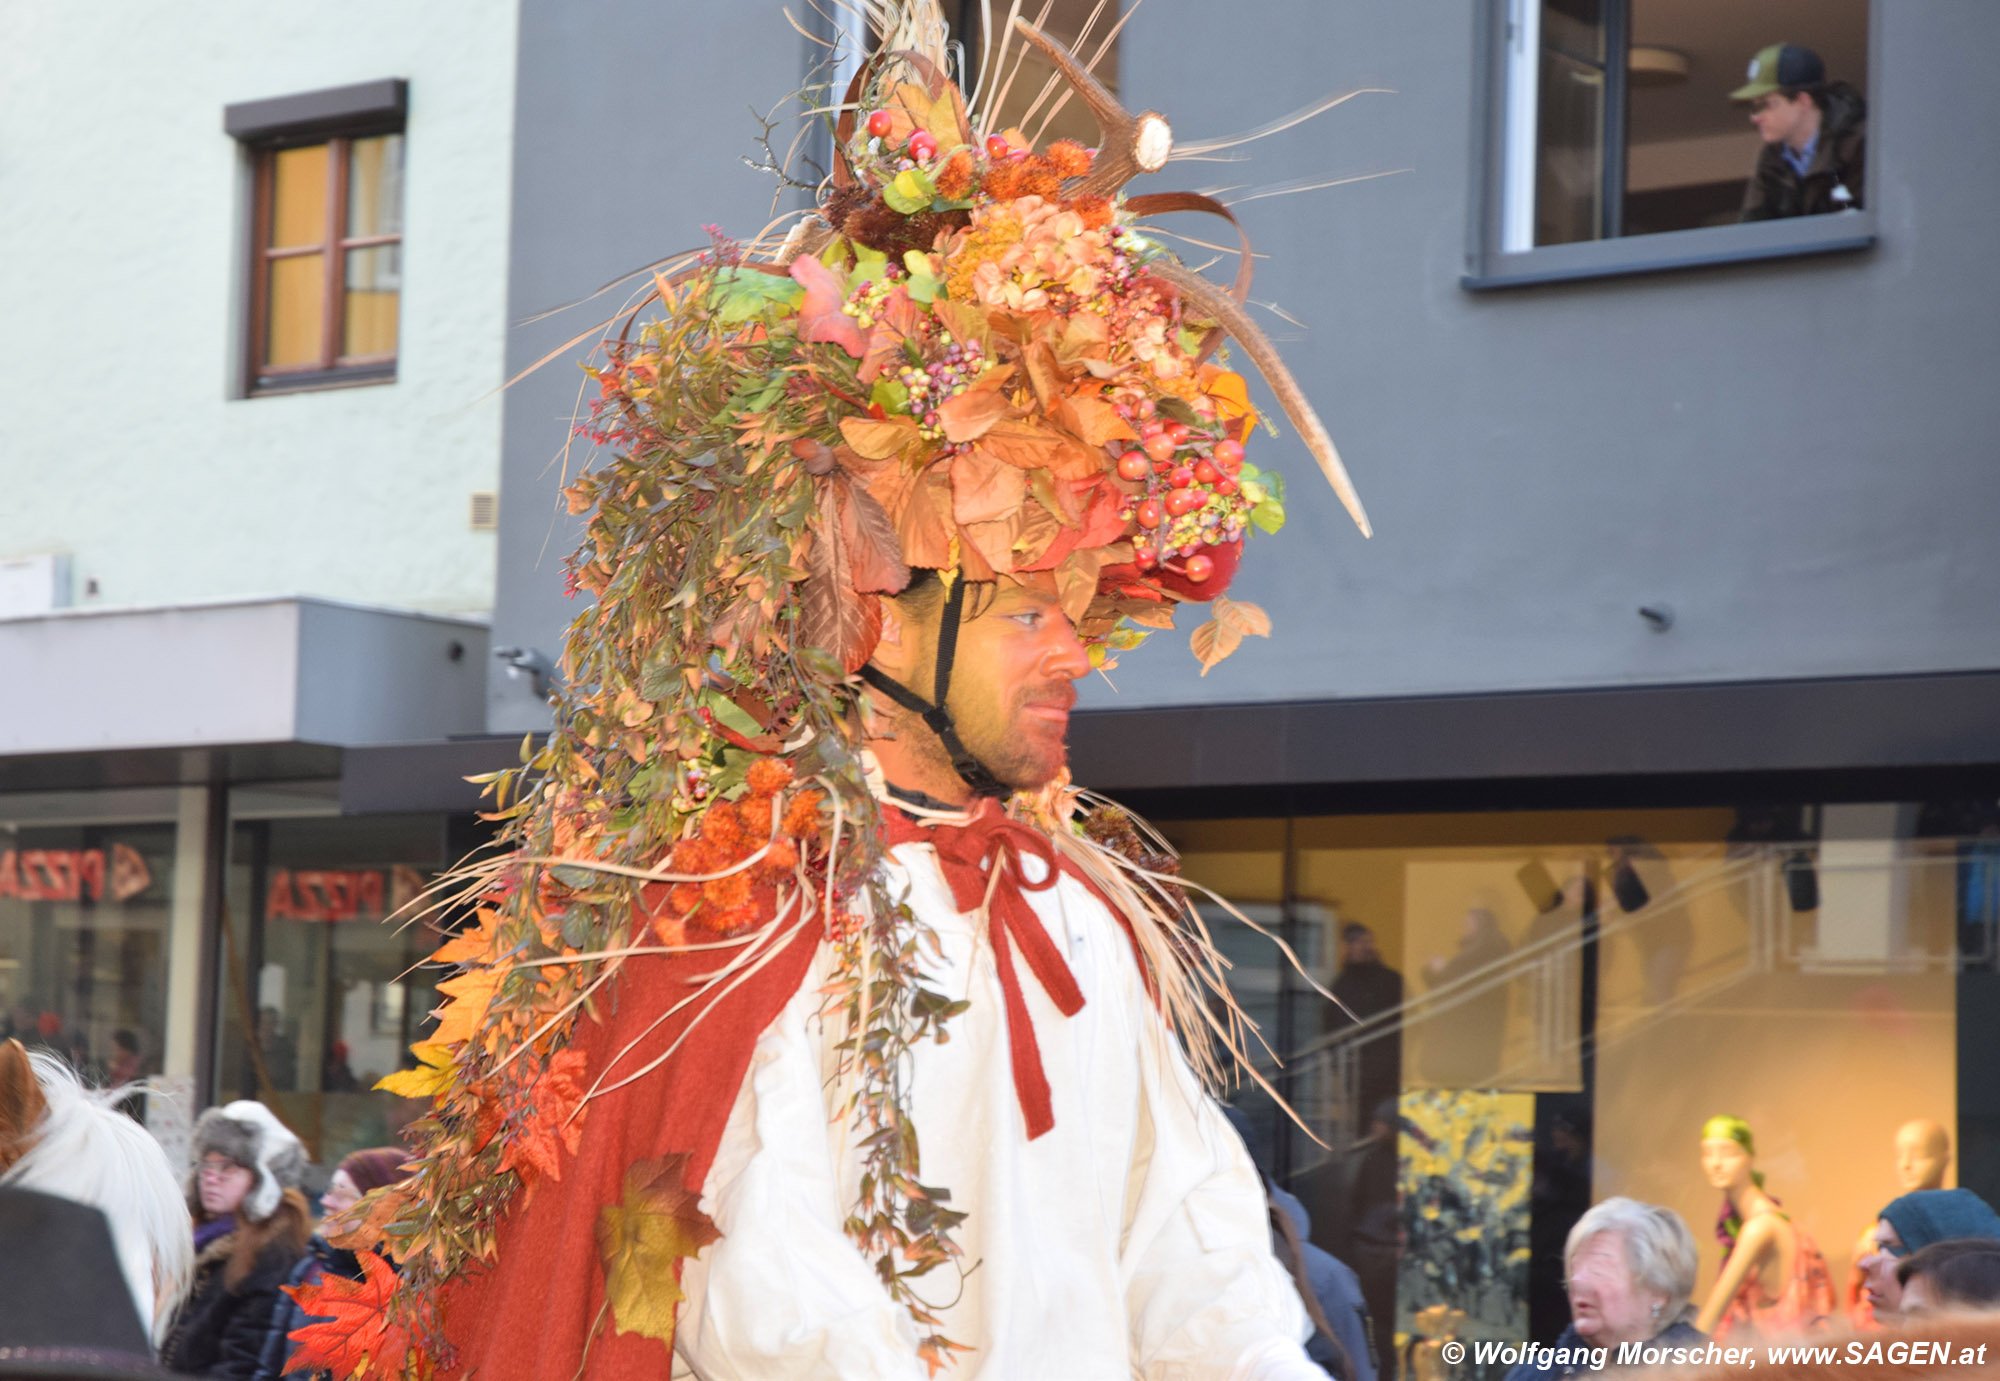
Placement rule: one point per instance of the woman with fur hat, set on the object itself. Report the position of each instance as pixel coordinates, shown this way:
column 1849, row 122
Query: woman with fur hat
column 250, row 1227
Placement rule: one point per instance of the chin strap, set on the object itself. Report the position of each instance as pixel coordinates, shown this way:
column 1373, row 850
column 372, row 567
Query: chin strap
column 937, row 719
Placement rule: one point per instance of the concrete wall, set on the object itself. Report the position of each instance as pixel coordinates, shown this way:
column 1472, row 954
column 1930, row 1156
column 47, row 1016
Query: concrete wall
column 633, row 117
column 1796, row 455
column 122, row 248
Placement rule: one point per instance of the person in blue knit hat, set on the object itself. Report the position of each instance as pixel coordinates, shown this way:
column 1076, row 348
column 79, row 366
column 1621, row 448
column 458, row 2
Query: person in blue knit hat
column 1914, row 1221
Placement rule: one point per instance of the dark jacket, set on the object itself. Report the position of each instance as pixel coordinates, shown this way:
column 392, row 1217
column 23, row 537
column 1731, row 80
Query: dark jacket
column 1776, row 191
column 322, row 1259
column 219, row 1329
column 1677, row 1334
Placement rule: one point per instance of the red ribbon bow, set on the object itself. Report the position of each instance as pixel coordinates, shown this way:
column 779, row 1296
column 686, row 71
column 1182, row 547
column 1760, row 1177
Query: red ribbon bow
column 981, row 861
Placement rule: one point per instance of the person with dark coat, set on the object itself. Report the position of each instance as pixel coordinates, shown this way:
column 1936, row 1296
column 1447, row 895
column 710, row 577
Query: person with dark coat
column 250, row 1228
column 1367, row 987
column 356, row 1175
column 1815, row 137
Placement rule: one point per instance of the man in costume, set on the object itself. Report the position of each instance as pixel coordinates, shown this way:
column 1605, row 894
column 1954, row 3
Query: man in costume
column 806, row 1022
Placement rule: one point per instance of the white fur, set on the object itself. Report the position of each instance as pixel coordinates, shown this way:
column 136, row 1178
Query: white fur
column 88, row 1152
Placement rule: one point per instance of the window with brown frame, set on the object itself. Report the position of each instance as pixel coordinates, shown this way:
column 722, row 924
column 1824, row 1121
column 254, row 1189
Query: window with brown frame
column 326, row 277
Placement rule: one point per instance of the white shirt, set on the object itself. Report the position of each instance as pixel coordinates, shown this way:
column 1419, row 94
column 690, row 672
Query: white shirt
column 1132, row 1240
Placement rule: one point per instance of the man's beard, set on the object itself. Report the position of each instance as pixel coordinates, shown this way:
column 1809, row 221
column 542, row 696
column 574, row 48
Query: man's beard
column 1023, row 750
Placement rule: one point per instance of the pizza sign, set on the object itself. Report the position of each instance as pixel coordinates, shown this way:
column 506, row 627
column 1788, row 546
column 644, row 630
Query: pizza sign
column 74, row 875
column 339, row 894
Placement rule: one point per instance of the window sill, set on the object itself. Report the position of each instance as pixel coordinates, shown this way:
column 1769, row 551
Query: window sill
column 1678, row 249
column 321, row 381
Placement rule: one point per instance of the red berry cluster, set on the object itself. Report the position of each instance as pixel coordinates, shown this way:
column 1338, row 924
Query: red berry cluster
column 1189, row 498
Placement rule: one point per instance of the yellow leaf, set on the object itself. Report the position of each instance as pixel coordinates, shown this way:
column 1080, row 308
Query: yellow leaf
column 470, row 995
column 472, row 944
column 428, row 1079
column 642, row 1238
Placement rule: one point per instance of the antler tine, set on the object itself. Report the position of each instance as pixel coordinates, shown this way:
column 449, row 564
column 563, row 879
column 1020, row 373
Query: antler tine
column 1216, row 303
column 1131, row 144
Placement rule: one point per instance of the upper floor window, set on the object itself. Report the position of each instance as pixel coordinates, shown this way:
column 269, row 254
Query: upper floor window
column 326, row 236
column 1620, row 119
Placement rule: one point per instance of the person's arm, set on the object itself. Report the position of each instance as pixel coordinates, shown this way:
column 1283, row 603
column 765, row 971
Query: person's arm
column 1759, row 1235
column 1206, row 1297
column 1758, row 204
column 785, row 1295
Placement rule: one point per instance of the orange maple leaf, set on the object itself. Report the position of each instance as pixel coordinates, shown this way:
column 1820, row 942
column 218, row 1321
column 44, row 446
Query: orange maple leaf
column 352, row 1333
column 471, row 994
column 472, row 944
column 535, row 1145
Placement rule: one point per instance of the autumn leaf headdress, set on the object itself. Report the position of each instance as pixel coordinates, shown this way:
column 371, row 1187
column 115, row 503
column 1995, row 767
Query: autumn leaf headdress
column 970, row 358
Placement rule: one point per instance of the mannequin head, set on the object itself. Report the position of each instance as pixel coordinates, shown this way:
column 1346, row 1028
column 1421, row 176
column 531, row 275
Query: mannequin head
column 1729, row 1155
column 1923, row 1152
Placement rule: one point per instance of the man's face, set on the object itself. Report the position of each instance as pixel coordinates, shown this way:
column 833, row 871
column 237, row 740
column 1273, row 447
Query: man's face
column 1012, row 684
column 1780, row 119
column 1878, row 1268
column 1360, row 948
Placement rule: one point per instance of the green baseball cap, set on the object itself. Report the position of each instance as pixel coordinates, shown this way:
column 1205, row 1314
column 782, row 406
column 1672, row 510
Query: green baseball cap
column 1780, row 67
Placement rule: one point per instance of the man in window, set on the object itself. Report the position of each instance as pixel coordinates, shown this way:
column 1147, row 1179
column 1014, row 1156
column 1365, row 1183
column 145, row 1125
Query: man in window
column 1813, row 134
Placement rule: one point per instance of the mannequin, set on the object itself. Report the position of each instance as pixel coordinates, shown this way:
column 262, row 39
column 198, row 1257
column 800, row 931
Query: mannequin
column 1923, row 1154
column 1774, row 1281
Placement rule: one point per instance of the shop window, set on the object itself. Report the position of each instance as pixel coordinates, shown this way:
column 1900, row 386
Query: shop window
column 326, row 236
column 86, row 902
column 1614, row 122
column 318, row 995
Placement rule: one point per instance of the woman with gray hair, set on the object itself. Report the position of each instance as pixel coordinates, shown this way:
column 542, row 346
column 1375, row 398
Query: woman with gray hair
column 1629, row 1268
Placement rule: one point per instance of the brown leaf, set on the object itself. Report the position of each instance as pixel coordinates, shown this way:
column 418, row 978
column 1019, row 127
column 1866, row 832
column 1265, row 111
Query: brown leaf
column 1092, row 420
column 971, row 414
column 1045, row 376
column 1026, row 442
column 1212, row 642
column 1246, row 618
column 889, row 439
column 641, row 1241
column 984, row 488
column 875, row 561
column 833, row 615
column 924, row 528
column 896, row 320
column 1076, row 580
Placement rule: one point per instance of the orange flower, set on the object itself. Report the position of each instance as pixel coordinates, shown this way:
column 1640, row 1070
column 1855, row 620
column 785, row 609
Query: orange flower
column 954, row 180
column 1003, row 180
column 722, row 827
column 728, row 893
column 802, row 815
column 1068, row 158
column 1095, row 211
column 769, row 776
column 784, row 857
column 683, row 896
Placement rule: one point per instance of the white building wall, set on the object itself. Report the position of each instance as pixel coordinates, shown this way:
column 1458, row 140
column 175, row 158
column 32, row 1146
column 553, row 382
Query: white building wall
column 122, row 274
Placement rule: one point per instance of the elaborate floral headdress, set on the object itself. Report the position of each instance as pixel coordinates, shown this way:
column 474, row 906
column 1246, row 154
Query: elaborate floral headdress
column 970, row 359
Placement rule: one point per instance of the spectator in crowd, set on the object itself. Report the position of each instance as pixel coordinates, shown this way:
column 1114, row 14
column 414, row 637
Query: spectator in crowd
column 127, row 1064
column 251, row 1225
column 1949, row 1277
column 1912, row 1222
column 1814, row 135
column 358, row 1174
column 1368, row 987
column 1631, row 1269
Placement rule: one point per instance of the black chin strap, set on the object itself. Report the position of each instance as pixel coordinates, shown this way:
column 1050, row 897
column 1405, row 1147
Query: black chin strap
column 937, row 719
